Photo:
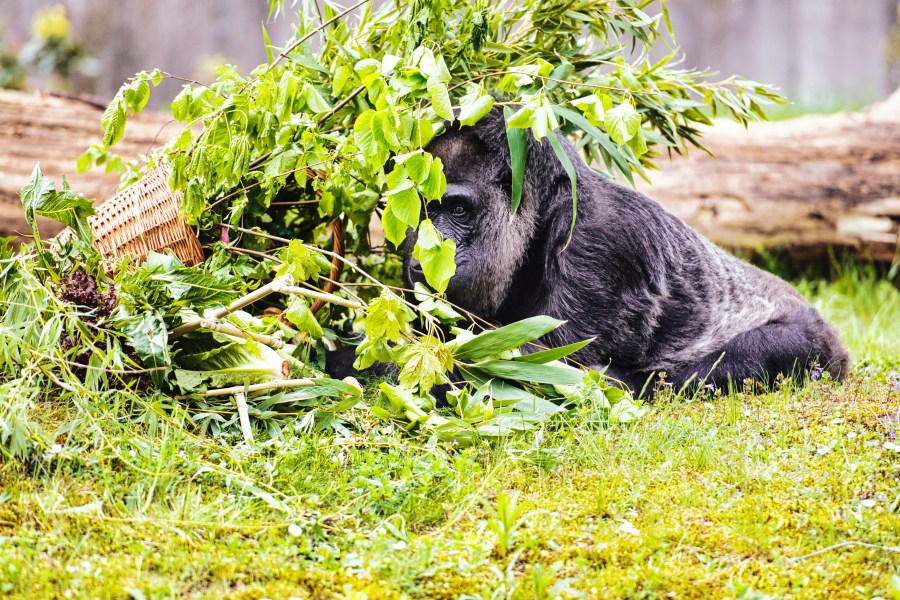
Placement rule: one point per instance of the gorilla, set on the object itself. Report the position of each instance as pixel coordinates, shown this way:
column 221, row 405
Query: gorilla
column 654, row 295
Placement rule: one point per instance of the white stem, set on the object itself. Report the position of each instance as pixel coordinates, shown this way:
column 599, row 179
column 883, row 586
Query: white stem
column 274, row 286
column 292, row 289
column 259, row 387
column 244, row 416
column 229, row 329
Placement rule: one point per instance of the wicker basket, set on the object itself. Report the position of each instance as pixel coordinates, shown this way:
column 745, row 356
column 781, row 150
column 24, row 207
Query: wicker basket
column 141, row 219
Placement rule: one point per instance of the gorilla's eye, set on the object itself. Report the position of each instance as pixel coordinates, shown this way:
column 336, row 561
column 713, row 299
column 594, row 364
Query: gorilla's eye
column 459, row 210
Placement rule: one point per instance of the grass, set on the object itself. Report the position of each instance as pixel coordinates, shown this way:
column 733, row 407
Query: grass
column 788, row 494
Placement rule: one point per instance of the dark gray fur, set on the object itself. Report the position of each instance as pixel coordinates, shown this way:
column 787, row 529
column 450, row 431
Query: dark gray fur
column 655, row 294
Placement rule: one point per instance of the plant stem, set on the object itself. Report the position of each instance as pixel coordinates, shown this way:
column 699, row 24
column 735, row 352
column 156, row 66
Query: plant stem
column 229, row 329
column 292, row 289
column 244, row 416
column 238, row 304
column 259, row 387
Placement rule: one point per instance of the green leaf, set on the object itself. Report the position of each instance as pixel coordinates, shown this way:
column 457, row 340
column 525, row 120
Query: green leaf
column 496, row 341
column 523, row 118
column 435, row 184
column 436, row 255
column 113, row 121
column 363, row 134
column 545, row 356
column 418, row 167
column 136, row 95
column 474, row 105
column 404, row 205
column 638, row 144
column 522, row 371
column 570, row 171
column 237, row 363
column 298, row 313
column 424, row 363
column 148, row 336
column 314, row 100
column 592, row 108
column 518, row 151
column 39, row 197
column 386, row 318
column 298, row 261
column 622, row 122
column 440, row 98
column 181, row 105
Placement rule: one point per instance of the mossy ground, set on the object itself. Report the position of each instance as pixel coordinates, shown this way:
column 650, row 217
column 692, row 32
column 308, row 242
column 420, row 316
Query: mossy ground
column 737, row 496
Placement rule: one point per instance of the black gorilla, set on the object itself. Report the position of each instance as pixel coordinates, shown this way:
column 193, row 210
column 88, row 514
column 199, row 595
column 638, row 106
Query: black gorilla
column 653, row 293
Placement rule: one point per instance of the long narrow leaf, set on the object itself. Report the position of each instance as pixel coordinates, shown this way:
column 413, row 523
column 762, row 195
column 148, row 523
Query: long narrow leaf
column 552, row 354
column 510, row 369
column 506, row 338
column 518, row 152
column 620, row 161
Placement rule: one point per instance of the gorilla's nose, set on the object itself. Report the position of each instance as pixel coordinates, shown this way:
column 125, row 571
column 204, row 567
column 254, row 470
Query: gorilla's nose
column 415, row 266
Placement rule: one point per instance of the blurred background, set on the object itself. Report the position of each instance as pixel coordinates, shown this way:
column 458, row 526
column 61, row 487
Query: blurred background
column 823, row 54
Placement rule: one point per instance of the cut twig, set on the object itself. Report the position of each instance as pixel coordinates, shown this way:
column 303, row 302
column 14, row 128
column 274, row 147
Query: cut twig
column 292, row 289
column 260, row 387
column 273, row 341
column 244, row 416
column 269, row 288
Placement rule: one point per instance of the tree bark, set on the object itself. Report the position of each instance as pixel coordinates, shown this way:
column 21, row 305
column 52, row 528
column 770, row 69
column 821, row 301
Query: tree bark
column 794, row 187
column 39, row 128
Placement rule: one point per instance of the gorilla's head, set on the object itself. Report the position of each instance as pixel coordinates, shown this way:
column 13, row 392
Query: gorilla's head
column 475, row 212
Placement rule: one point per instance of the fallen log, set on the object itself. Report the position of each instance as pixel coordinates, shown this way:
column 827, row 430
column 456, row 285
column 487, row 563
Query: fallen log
column 53, row 131
column 794, row 187
column 799, row 186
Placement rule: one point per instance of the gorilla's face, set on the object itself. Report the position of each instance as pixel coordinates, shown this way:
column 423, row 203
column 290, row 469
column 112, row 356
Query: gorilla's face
column 475, row 213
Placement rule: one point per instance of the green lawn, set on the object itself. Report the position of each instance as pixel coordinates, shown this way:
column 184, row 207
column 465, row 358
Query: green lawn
column 745, row 496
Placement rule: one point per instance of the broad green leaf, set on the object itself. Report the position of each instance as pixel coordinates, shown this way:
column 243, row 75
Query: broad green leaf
column 592, row 108
column 418, row 167
column 181, row 105
column 298, row 261
column 363, row 134
column 435, row 184
column 523, row 118
column 113, row 121
column 508, row 337
column 622, row 122
column 298, row 313
column 386, row 318
column 638, row 144
column 136, row 95
column 148, row 336
column 405, row 204
column 436, row 255
column 314, row 99
column 474, row 105
column 39, row 197
column 425, row 363
column 543, row 120
column 440, row 98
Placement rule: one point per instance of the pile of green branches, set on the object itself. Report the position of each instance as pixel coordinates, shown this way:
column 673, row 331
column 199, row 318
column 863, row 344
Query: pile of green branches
column 334, row 127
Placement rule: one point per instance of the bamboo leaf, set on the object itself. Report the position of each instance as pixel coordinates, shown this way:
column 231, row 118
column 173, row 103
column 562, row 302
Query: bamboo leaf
column 496, row 341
